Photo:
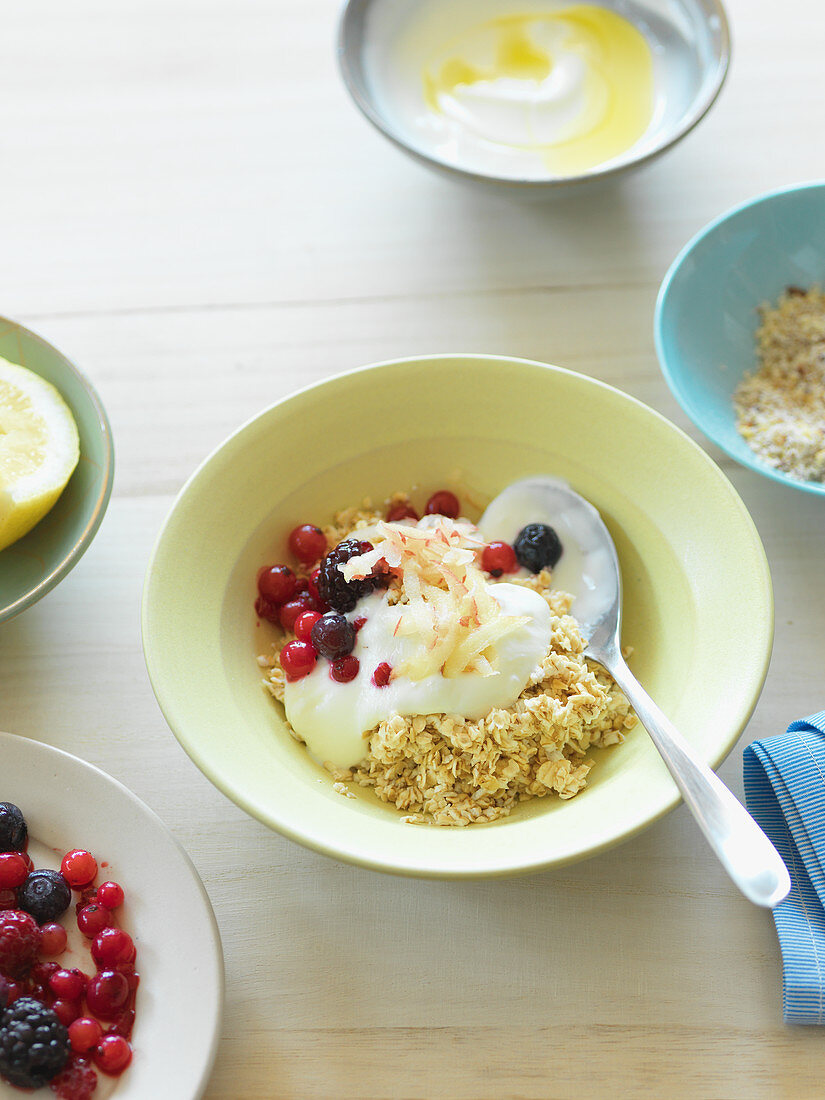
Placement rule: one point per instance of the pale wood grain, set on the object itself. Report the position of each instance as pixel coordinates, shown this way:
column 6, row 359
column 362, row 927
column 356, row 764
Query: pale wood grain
column 193, row 210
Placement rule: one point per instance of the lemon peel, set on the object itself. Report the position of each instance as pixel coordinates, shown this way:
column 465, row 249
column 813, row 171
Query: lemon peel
column 39, row 449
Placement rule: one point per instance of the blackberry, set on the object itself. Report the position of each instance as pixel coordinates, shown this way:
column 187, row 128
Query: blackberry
column 340, row 594
column 45, row 894
column 333, row 636
column 13, row 831
column 34, row 1045
column 537, row 547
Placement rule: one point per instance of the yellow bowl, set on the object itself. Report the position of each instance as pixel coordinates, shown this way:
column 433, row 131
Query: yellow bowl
column 698, row 607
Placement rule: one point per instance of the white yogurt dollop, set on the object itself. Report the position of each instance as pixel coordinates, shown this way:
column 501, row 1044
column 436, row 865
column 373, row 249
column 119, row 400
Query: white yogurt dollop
column 333, row 718
column 585, row 569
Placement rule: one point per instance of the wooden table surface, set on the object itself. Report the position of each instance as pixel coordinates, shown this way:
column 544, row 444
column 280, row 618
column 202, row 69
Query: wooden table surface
column 195, row 213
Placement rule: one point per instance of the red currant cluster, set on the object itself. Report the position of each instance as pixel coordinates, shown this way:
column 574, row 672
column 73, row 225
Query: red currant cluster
column 98, row 1010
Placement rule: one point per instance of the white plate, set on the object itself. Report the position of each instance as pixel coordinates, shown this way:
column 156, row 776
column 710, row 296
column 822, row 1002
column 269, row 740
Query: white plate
column 70, row 804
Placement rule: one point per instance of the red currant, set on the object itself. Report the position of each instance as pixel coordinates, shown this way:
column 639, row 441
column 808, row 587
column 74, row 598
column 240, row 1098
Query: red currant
column 345, row 669
column 113, row 948
column 13, row 870
column 66, row 1011
column 78, row 868
column 277, row 583
column 398, row 512
column 290, row 611
column 68, row 985
column 308, row 543
column 297, row 659
column 84, row 1034
column 312, row 584
column 15, row 990
column 110, row 895
column 304, row 623
column 443, row 503
column 8, row 899
column 107, row 993
column 266, row 609
column 112, row 1055
column 498, row 558
column 52, row 939
column 358, row 623
column 382, row 674
column 93, row 918
column 41, row 974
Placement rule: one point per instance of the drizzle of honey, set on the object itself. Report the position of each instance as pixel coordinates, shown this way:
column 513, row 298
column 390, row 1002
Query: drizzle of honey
column 616, row 54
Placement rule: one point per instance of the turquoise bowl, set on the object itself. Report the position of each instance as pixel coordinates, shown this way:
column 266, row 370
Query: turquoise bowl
column 707, row 309
column 32, row 566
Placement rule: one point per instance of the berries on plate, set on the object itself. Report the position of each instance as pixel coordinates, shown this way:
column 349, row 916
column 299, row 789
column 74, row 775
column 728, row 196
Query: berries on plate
column 56, row 1022
column 84, row 1034
column 52, row 939
column 19, row 942
column 13, row 831
column 34, row 1045
column 93, row 918
column 45, row 894
column 78, row 868
column 13, row 870
column 107, row 994
column 537, row 547
column 76, row 1081
column 112, row 1055
column 113, row 948
column 110, row 895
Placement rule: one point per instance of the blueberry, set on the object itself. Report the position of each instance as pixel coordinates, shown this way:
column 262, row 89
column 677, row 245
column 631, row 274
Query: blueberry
column 537, row 547
column 13, row 831
column 45, row 895
column 333, row 636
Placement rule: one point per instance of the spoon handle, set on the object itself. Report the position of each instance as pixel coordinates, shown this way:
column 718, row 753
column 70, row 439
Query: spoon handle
column 743, row 849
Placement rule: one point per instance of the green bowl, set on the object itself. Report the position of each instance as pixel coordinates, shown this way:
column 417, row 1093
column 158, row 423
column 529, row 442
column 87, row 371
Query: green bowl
column 698, row 609
column 32, row 566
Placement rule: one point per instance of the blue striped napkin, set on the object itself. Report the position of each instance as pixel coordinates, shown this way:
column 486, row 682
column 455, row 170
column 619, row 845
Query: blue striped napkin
column 785, row 792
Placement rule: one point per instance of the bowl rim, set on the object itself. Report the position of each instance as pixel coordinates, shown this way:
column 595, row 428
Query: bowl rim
column 282, row 825
column 83, row 541
column 693, row 410
column 699, row 108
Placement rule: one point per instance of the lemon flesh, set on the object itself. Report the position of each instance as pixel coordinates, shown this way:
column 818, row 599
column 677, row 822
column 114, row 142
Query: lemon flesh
column 39, row 449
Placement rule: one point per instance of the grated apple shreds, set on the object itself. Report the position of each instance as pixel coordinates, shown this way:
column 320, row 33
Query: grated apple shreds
column 445, row 770
column 448, row 609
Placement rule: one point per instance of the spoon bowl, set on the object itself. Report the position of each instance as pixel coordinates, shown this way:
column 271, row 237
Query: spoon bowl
column 744, row 850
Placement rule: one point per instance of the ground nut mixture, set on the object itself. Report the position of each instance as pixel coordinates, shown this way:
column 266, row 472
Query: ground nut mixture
column 446, row 770
column 780, row 407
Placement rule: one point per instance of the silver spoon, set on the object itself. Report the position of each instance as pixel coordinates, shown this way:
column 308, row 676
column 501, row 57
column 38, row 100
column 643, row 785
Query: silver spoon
column 742, row 848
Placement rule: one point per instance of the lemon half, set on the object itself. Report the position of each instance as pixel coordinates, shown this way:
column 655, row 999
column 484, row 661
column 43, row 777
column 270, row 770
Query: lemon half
column 39, row 449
